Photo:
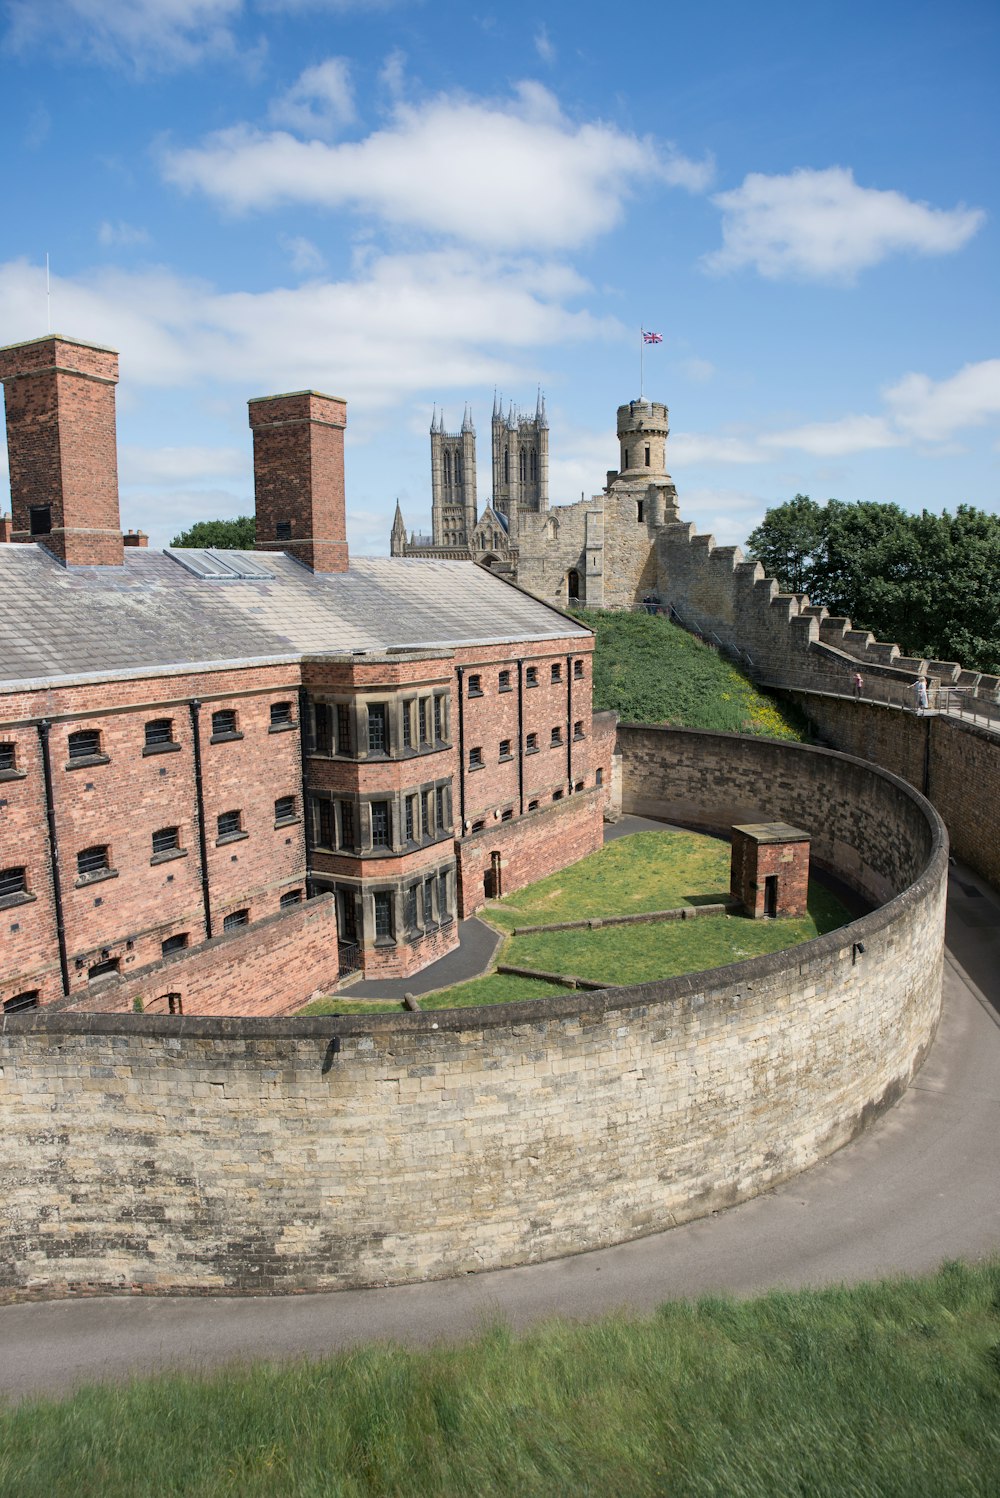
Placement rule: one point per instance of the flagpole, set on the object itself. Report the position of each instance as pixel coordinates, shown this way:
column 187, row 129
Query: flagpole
column 642, row 345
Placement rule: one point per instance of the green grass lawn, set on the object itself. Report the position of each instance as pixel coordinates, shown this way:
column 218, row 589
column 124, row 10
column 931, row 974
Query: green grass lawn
column 889, row 1390
column 650, row 671
column 643, row 872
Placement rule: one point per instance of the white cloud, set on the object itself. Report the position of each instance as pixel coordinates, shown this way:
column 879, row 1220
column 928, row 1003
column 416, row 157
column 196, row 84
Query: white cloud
column 305, row 258
column 551, row 183
column 543, row 44
column 694, row 447
column 727, row 514
column 319, row 102
column 836, row 439
column 161, row 34
column 121, row 235
column 453, row 318
column 934, row 409
column 820, row 225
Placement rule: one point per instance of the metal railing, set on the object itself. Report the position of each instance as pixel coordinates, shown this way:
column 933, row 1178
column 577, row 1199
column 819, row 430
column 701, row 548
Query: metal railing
column 349, row 957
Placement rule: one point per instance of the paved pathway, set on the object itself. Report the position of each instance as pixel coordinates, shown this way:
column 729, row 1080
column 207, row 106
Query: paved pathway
column 921, row 1186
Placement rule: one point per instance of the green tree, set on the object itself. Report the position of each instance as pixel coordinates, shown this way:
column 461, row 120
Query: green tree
column 930, row 583
column 228, row 535
column 787, row 542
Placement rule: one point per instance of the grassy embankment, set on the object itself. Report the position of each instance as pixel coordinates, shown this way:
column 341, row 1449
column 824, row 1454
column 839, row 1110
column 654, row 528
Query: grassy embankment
column 650, row 671
column 887, row 1391
column 631, row 875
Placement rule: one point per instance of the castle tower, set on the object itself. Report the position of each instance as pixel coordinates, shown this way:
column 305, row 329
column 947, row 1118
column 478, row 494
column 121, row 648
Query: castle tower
column 453, row 482
column 61, row 443
column 643, row 428
column 520, row 461
column 298, row 470
column 397, row 536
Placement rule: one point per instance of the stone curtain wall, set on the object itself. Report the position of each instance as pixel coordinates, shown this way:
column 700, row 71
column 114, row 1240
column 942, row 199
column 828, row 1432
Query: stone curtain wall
column 254, row 1155
column 955, row 763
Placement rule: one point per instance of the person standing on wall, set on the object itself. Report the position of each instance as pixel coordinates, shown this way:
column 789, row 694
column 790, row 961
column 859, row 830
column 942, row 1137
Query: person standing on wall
column 920, row 694
column 859, row 683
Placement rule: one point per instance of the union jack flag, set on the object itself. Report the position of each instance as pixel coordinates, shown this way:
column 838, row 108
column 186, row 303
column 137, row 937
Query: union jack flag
column 651, row 337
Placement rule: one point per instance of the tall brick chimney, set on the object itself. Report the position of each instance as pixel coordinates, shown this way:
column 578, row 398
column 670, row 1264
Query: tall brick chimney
column 298, row 467
column 6, row 527
column 60, row 399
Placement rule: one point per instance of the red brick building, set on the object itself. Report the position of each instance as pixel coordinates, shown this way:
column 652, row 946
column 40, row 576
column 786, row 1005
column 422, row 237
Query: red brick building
column 226, row 777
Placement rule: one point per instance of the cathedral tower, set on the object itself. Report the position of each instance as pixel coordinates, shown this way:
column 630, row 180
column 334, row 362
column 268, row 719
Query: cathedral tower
column 453, row 482
column 520, row 461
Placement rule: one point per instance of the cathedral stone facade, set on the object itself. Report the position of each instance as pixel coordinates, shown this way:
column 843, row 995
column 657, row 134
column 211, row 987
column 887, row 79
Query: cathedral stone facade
column 600, row 552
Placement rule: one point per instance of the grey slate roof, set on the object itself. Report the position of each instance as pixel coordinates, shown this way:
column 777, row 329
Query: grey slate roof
column 62, row 624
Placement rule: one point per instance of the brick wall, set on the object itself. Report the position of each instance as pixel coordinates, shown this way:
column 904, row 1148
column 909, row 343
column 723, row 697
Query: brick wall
column 272, row 967
column 261, row 1155
column 119, row 798
column 298, row 465
column 530, row 848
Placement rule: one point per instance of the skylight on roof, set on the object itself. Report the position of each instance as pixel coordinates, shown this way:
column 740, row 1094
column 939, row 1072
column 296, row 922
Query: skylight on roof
column 224, row 566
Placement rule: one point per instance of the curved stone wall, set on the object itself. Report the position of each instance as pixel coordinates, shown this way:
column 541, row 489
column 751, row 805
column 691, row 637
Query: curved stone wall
column 270, row 1154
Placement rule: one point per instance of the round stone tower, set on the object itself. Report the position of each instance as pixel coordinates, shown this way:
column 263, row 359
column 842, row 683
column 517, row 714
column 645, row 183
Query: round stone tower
column 643, row 427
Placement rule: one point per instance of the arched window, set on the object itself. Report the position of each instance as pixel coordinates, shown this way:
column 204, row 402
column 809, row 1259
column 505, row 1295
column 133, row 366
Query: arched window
column 573, row 583
column 447, row 468
column 458, row 468
column 506, row 465
column 534, row 466
column 521, row 457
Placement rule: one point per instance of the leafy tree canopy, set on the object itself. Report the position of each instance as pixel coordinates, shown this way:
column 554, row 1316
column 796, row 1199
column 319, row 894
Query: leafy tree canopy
column 930, row 583
column 228, row 535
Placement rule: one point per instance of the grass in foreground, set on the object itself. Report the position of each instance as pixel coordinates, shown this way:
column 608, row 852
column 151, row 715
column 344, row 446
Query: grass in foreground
column 889, row 1390
column 495, row 988
column 651, row 671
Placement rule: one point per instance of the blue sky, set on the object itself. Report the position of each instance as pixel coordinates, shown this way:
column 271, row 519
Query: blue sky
column 410, row 203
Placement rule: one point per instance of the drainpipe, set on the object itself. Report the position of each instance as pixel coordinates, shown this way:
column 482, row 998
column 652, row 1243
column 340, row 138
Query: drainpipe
column 569, row 722
column 306, row 810
column 194, row 706
column 520, row 736
column 50, row 818
column 460, row 673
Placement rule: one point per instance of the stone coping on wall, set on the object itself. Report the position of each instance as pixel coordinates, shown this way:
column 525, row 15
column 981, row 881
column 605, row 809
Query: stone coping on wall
column 523, row 1012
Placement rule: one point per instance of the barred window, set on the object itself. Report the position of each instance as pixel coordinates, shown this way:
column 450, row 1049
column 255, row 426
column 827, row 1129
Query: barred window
column 599, row 777
column 444, row 913
column 556, row 737
column 284, row 809
column 325, row 833
column 476, row 758
column 407, row 725
column 578, row 670
column 174, row 943
column 478, row 826
column 8, row 756
column 347, row 836
column 381, row 824
column 475, row 686
column 84, row 743
column 532, row 805
column 378, row 729
column 410, row 907
column 429, row 900
column 441, row 807
column 578, row 729
column 235, row 919
column 383, row 915
column 556, row 671
column 281, row 714
column 175, row 1004
column 438, row 720
column 21, row 1001
column 323, row 718
column 223, row 721
column 159, row 731
column 422, row 719
column 289, row 898
column 103, row 969
column 505, row 749
column 531, row 676
column 230, row 822
column 12, row 882
column 531, row 744
column 504, row 681
column 165, row 839
column 507, row 815
column 408, row 812
column 92, row 860
column 557, row 795
column 345, row 739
